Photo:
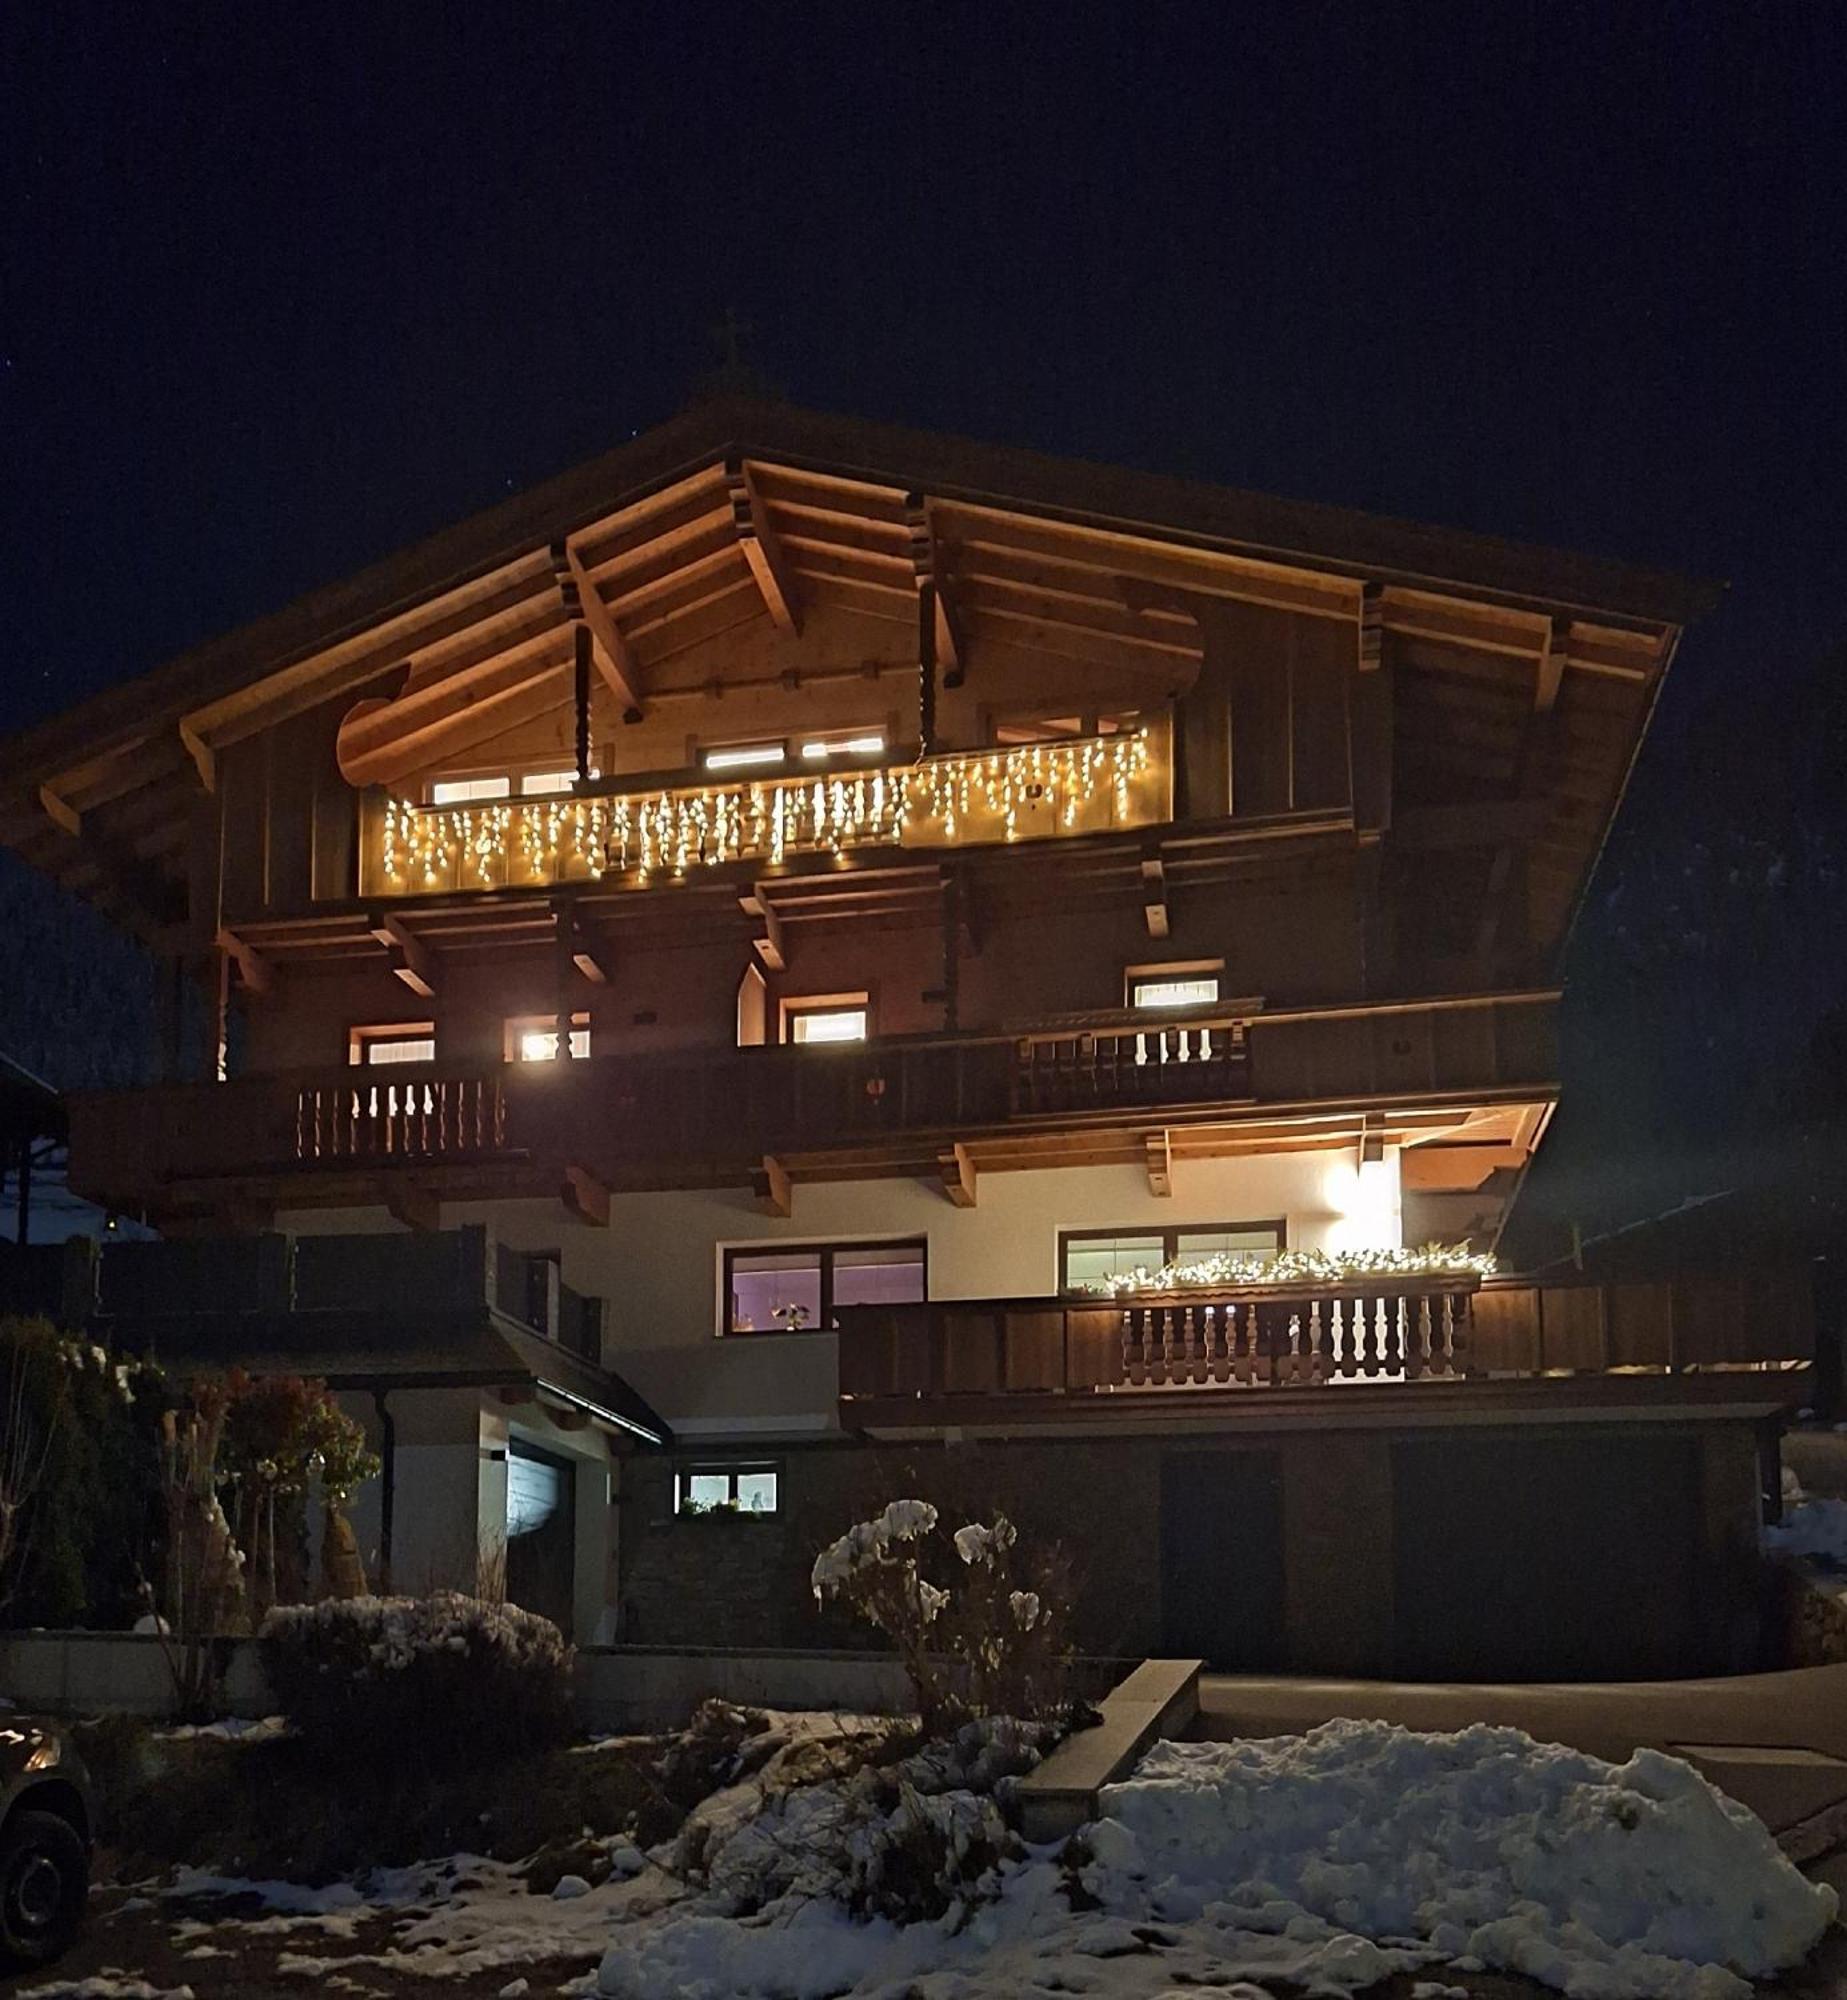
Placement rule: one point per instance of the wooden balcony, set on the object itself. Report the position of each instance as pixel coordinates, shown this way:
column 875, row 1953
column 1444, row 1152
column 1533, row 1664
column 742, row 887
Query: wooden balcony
column 705, row 1116
column 643, row 829
column 955, row 1363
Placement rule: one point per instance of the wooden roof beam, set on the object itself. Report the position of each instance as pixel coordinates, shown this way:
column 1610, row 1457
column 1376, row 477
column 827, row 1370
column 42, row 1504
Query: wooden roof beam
column 412, row 961
column 124, row 877
column 1160, row 1155
column 762, row 548
column 614, row 657
column 927, row 567
column 204, row 758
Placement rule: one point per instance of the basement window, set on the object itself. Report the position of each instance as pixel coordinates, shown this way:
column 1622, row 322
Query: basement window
column 727, row 1489
column 534, row 1038
column 400, row 1042
column 469, row 791
column 1090, row 1256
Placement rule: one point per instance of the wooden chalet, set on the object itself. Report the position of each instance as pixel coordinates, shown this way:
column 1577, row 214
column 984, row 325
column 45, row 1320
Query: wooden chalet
column 833, row 894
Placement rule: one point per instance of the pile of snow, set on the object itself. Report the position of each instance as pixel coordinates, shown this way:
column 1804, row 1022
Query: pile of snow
column 1327, row 1861
column 1609, row 1881
column 1816, row 1529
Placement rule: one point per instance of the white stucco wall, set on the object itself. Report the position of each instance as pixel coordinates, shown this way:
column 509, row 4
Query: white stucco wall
column 660, row 1263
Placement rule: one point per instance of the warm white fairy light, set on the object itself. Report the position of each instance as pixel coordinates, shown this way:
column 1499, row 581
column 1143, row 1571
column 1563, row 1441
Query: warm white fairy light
column 992, row 794
column 1226, row 1269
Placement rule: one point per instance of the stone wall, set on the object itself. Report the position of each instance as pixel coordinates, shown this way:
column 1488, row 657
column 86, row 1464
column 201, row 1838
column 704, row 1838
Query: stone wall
column 738, row 1581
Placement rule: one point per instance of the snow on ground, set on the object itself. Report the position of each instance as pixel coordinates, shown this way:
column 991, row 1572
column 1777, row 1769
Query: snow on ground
column 1326, row 1861
column 1813, row 1528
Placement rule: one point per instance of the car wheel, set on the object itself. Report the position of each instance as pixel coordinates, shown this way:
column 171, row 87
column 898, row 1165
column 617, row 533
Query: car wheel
column 44, row 1881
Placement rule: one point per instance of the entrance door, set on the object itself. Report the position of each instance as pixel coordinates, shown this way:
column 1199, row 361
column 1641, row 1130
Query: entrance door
column 541, row 1533
column 1222, row 1558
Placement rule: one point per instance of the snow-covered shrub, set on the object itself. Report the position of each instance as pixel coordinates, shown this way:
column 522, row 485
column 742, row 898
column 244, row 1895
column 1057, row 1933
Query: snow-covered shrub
column 974, row 1639
column 443, row 1679
column 908, row 1840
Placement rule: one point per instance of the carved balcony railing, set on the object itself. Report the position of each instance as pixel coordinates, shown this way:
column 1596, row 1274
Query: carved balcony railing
column 705, row 1112
column 1407, row 1329
column 636, row 830
column 965, row 1361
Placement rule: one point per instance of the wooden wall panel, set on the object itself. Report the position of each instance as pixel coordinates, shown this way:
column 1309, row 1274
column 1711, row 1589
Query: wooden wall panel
column 1321, row 666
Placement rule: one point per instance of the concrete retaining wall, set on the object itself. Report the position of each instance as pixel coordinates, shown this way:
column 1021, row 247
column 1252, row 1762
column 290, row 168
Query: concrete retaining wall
column 628, row 1689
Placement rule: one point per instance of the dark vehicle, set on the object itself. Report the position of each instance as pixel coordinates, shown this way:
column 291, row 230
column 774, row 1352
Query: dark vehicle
column 45, row 1822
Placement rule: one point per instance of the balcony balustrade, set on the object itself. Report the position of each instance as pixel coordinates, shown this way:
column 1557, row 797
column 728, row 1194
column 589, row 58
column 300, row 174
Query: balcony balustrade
column 955, row 1362
column 636, row 832
column 697, row 1112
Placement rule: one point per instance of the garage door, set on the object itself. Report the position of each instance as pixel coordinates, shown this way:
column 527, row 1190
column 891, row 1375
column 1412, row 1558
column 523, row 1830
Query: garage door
column 1547, row 1558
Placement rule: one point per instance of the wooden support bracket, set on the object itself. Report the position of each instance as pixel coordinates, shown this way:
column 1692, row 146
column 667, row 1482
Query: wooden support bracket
column 586, row 953
column 204, row 758
column 768, row 943
column 416, row 1207
column 614, row 657
column 770, row 1184
column 1160, row 1162
column 412, row 960
column 958, row 1172
column 762, row 548
column 951, row 645
column 1154, row 895
column 585, row 1197
column 254, row 971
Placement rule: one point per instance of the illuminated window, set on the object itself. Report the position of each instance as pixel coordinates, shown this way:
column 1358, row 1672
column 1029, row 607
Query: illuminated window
column 819, row 749
column 1089, row 1256
column 743, row 756
column 535, row 1038
column 832, row 1017
column 794, row 1288
column 727, row 1489
column 539, row 783
column 401, row 1042
column 465, row 791
column 1163, row 986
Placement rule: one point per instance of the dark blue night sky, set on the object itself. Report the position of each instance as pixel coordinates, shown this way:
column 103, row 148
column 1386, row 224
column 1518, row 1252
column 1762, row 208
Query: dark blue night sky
column 287, row 288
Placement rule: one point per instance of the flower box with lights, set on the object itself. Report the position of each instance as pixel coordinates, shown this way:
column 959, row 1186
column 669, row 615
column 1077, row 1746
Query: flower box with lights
column 1451, row 1266
column 1028, row 791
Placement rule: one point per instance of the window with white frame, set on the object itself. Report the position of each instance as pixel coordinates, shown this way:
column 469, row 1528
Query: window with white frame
column 539, row 784
column 829, row 1017
column 1162, row 988
column 469, row 791
column 397, row 1042
column 534, row 1038
column 1089, row 1257
column 843, row 748
column 727, row 1489
column 742, row 756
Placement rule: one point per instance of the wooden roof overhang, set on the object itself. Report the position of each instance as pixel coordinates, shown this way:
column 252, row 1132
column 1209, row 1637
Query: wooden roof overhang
column 737, row 516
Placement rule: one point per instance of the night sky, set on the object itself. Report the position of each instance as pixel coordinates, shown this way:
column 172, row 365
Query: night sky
column 285, row 289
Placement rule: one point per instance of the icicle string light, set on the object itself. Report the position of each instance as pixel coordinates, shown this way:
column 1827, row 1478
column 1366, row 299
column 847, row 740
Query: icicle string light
column 1007, row 794
column 1227, row 1269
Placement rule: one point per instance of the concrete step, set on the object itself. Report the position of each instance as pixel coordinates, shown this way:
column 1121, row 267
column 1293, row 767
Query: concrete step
column 1782, row 1787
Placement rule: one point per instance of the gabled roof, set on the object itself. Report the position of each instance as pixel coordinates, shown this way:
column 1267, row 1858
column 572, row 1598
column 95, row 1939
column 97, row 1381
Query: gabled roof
column 669, row 536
